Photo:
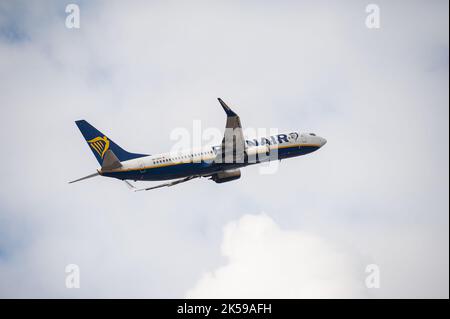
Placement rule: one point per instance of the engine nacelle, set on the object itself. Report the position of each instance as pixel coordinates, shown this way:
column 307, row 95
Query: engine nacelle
column 226, row 176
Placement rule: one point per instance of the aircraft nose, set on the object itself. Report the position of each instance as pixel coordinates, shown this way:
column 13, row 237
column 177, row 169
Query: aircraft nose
column 322, row 141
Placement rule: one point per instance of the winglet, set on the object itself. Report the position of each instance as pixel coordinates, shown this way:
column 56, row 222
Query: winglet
column 226, row 108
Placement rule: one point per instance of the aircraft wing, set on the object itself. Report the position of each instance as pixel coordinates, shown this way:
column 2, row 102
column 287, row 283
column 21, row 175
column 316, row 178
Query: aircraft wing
column 172, row 183
column 233, row 142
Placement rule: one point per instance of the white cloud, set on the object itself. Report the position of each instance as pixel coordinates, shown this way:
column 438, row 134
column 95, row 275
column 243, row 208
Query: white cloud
column 264, row 261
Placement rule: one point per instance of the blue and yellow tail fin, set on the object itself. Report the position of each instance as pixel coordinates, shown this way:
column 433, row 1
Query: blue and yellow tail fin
column 99, row 143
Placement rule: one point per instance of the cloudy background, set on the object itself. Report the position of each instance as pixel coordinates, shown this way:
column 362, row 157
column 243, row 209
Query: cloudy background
column 377, row 193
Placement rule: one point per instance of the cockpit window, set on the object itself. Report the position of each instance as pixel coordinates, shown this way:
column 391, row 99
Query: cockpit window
column 312, row 134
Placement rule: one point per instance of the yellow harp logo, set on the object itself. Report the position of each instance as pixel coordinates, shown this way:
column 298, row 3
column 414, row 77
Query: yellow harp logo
column 100, row 145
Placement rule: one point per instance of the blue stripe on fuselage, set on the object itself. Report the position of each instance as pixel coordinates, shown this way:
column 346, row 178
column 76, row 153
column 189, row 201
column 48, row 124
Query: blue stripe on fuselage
column 179, row 170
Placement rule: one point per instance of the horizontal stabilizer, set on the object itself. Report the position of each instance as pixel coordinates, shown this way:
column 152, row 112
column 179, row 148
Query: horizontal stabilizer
column 83, row 178
column 110, row 161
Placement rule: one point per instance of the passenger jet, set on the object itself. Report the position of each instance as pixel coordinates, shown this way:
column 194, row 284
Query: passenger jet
column 220, row 163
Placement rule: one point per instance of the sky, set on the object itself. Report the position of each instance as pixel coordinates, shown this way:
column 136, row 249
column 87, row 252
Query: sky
column 376, row 194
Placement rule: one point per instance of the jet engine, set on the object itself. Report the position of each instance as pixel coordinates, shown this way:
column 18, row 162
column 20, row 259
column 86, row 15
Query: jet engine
column 226, row 176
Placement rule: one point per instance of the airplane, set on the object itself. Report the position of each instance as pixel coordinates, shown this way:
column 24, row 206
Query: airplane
column 220, row 163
